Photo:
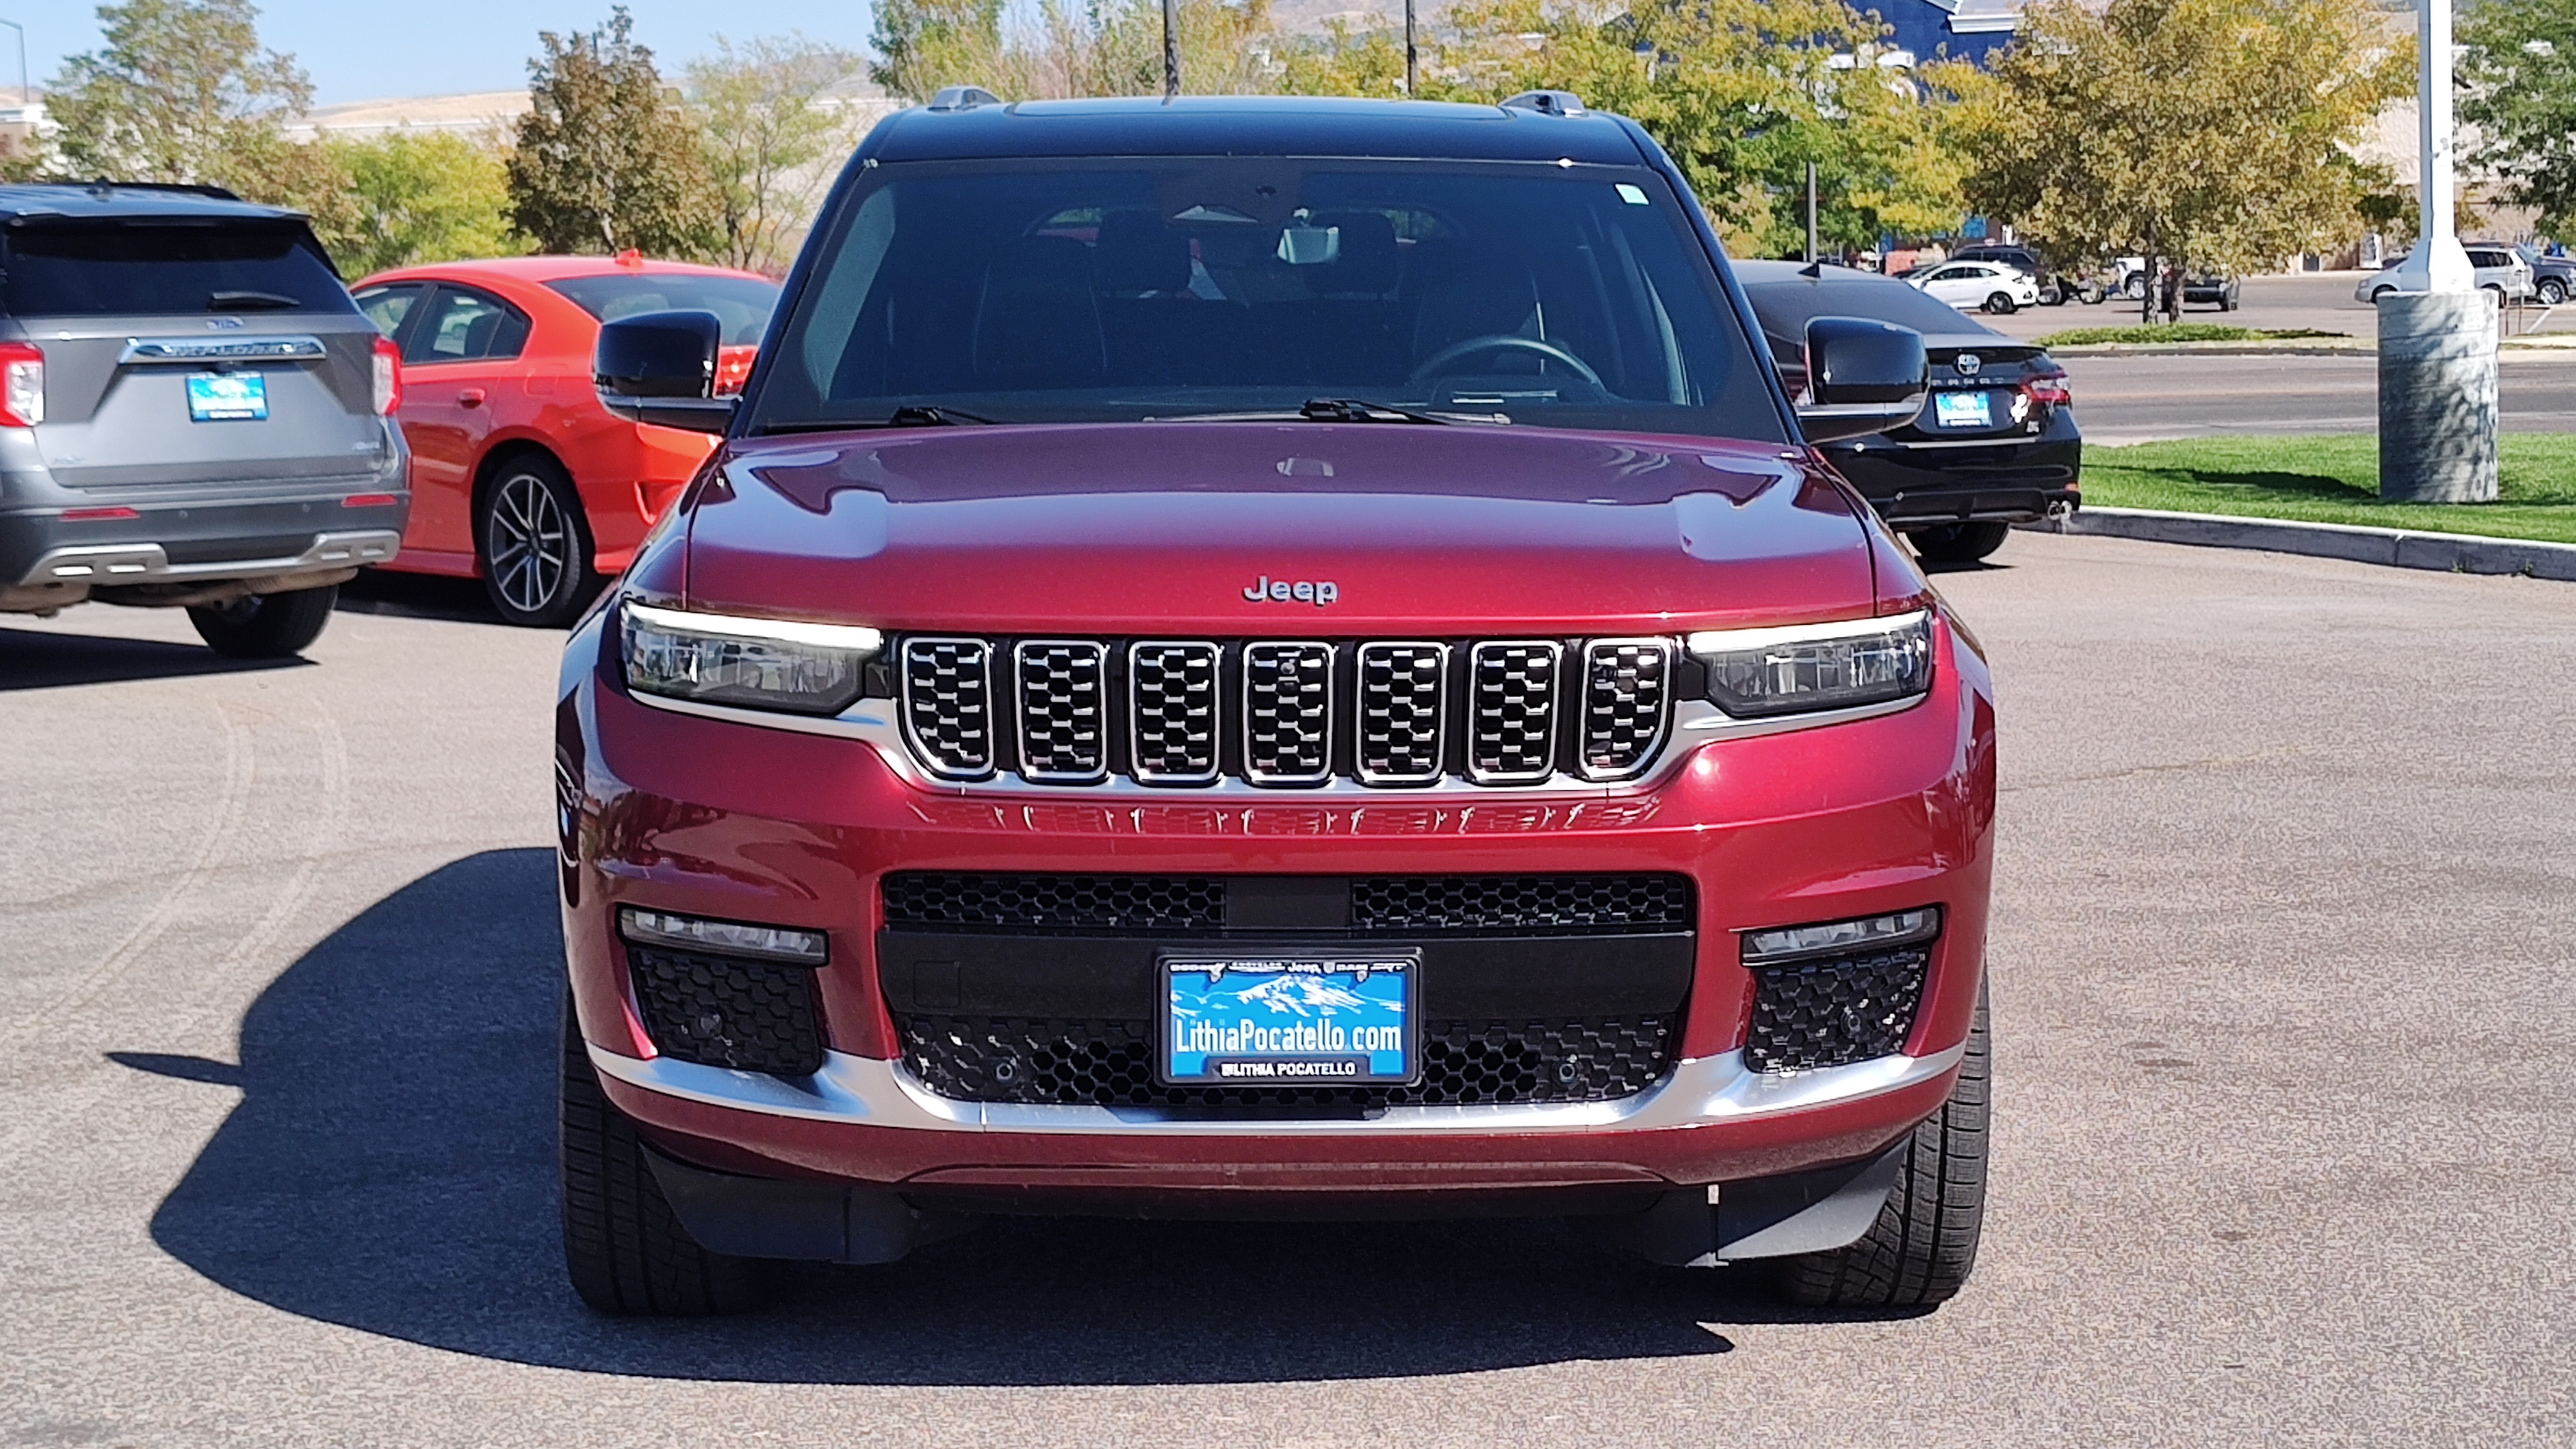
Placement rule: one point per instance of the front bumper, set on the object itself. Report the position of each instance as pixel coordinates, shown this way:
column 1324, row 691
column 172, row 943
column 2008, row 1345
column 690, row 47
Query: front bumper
column 673, row 812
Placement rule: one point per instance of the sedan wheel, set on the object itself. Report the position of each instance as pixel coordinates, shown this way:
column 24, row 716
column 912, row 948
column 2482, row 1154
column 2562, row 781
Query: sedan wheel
column 1999, row 304
column 535, row 545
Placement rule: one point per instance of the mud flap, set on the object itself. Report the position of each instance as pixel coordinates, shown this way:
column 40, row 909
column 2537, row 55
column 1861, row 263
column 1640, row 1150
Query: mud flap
column 1770, row 1217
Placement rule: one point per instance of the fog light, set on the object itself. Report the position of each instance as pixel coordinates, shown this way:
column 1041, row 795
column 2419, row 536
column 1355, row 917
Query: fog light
column 724, row 938
column 1840, row 938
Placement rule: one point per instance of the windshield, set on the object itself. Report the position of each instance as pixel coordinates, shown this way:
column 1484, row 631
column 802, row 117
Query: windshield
column 1562, row 296
column 742, row 303
column 148, row 267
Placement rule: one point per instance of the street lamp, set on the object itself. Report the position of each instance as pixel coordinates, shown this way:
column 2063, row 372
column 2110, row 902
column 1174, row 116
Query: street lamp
column 2437, row 330
column 26, row 97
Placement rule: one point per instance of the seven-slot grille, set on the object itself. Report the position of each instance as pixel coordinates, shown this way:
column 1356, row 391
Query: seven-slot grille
column 1287, row 713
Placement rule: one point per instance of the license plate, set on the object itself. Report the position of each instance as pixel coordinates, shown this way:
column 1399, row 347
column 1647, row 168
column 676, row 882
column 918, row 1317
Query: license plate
column 1290, row 1021
column 227, row 397
column 1962, row 410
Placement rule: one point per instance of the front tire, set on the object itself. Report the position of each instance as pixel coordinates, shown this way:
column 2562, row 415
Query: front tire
column 624, row 1248
column 2000, row 305
column 533, row 544
column 1924, row 1244
column 265, row 626
column 2552, row 292
column 1959, row 543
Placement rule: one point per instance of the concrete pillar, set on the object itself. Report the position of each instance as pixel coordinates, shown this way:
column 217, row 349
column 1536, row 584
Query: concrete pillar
column 2437, row 397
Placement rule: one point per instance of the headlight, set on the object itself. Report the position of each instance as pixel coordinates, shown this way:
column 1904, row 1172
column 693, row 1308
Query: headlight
column 1757, row 672
column 776, row 664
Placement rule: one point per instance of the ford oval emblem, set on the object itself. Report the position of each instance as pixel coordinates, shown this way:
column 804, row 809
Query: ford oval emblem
column 1968, row 362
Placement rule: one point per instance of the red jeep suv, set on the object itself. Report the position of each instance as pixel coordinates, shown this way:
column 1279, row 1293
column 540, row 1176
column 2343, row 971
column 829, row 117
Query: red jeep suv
column 1270, row 658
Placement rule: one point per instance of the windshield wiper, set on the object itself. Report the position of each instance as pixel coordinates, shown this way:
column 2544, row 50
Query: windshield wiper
column 912, row 415
column 252, row 302
column 1361, row 410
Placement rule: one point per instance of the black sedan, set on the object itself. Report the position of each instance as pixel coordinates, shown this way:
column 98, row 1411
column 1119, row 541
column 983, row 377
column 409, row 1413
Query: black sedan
column 1996, row 442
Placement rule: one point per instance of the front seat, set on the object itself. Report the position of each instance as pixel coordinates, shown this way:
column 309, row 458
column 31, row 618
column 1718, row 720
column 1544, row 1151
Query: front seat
column 1036, row 322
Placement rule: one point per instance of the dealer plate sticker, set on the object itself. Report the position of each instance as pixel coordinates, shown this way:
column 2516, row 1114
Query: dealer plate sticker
column 1962, row 410
column 227, row 397
column 1290, row 1021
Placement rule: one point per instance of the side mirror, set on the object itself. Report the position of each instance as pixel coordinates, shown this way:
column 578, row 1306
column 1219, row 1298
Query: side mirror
column 1863, row 377
column 660, row 368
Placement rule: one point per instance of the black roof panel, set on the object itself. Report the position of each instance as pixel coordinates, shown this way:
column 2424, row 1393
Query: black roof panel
column 82, row 201
column 1252, row 125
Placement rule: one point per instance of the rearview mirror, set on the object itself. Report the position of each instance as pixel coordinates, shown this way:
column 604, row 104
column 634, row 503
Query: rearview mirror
column 660, row 368
column 1863, row 376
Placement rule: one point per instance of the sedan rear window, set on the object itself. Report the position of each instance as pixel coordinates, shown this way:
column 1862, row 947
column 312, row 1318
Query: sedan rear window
column 743, row 303
column 151, row 267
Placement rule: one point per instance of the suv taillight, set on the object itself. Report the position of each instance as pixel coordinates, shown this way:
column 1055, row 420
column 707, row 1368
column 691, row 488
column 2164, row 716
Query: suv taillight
column 22, row 385
column 2048, row 387
column 388, row 377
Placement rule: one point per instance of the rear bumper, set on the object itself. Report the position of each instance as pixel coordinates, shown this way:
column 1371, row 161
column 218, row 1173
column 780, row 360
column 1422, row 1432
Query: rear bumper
column 68, row 553
column 1921, row 484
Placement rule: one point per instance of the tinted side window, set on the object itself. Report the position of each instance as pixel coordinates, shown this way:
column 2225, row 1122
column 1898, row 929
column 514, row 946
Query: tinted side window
column 388, row 306
column 467, row 326
column 157, row 266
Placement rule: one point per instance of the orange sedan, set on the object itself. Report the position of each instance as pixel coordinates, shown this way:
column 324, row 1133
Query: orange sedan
column 519, row 477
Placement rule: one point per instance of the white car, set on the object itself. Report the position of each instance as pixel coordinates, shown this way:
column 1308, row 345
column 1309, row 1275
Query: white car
column 1986, row 285
column 2499, row 271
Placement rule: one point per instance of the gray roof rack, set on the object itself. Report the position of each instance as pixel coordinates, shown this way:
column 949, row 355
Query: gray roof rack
column 963, row 98
column 1546, row 103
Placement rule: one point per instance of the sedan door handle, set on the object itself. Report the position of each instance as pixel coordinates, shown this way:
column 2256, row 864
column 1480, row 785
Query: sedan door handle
column 472, row 397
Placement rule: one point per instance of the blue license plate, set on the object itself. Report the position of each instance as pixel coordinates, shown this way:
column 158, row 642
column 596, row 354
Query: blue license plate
column 1290, row 1021
column 1962, row 410
column 227, row 397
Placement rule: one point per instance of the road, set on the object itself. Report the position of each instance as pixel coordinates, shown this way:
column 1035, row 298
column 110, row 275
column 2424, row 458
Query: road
column 2283, row 1144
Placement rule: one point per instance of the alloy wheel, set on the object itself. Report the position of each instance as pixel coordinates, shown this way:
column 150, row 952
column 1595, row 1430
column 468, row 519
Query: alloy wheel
column 530, row 542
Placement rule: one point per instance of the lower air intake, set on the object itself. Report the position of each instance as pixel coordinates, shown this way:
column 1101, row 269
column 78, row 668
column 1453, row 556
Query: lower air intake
column 1834, row 1012
column 751, row 1016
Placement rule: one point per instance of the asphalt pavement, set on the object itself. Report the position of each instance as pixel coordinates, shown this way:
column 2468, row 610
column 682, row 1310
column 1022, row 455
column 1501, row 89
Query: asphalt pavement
column 2283, row 1146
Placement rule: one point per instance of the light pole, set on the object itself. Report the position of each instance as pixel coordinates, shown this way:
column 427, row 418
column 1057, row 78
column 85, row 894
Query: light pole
column 2437, row 331
column 27, row 97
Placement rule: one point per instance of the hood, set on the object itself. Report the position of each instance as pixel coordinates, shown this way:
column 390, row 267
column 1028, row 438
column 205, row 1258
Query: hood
column 1369, row 528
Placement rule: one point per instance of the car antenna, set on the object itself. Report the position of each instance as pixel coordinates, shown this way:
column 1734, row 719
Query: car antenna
column 1814, row 269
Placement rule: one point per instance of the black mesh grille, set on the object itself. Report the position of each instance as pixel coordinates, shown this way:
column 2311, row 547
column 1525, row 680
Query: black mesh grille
column 1624, row 700
column 751, row 1016
column 1287, row 712
column 1834, row 1012
column 1111, row 1064
column 1092, row 902
column 1172, row 690
column 1511, row 732
column 1062, row 738
column 1400, row 709
column 1521, row 903
column 947, row 692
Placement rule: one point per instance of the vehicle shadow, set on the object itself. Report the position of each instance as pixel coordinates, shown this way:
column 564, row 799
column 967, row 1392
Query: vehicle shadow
column 42, row 659
column 390, row 1168
column 417, row 596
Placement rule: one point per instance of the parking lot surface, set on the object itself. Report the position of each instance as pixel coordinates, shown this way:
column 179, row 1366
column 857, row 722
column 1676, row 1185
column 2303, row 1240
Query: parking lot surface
column 2283, row 1150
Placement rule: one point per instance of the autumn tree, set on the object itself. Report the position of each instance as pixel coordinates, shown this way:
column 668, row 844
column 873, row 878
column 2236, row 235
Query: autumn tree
column 772, row 137
column 2211, row 133
column 2518, row 76
column 606, row 157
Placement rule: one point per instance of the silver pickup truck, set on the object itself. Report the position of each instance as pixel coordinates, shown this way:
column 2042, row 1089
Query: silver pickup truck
column 193, row 413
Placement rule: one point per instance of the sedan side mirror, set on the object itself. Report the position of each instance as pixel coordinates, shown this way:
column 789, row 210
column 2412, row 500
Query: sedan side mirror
column 1863, row 377
column 660, row 368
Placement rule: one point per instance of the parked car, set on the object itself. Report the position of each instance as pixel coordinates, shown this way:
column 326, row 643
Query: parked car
column 521, row 479
column 1996, row 442
column 1218, row 673
column 2553, row 279
column 1988, row 286
column 2211, row 289
column 2498, row 269
column 2053, row 289
column 192, row 413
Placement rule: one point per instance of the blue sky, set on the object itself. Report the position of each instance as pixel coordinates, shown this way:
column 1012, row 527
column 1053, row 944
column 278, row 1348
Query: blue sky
column 358, row 50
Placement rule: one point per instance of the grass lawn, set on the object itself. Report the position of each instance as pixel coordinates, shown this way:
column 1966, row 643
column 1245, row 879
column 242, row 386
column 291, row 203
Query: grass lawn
column 2333, row 480
column 2178, row 332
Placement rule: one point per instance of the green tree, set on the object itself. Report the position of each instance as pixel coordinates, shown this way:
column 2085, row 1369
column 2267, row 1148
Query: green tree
column 606, row 158
column 432, row 197
column 2518, row 88
column 925, row 44
column 771, row 132
column 181, row 91
column 2212, row 133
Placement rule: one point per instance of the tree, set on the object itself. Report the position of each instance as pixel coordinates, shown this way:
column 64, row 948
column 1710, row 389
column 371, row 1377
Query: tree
column 606, row 158
column 2518, row 80
column 181, row 91
column 770, row 130
column 1102, row 48
column 431, row 197
column 925, row 44
column 2214, row 133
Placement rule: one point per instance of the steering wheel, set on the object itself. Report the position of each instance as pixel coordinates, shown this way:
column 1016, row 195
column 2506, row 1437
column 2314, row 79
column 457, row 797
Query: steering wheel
column 1438, row 362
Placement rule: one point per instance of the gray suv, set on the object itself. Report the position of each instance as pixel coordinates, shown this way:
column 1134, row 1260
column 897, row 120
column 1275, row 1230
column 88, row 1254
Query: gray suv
column 193, row 414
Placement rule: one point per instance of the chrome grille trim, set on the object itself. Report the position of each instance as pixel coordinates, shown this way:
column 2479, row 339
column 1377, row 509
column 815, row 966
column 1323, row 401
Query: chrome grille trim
column 1402, row 732
column 1062, row 690
column 1160, row 708
column 947, row 682
column 1512, row 707
column 1287, row 712
column 1626, row 704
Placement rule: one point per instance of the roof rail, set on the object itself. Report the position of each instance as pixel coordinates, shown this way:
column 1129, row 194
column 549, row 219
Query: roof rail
column 963, row 98
column 1546, row 103
column 190, row 188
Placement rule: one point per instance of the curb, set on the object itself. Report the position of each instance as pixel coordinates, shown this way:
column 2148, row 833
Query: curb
column 2463, row 553
column 2306, row 347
